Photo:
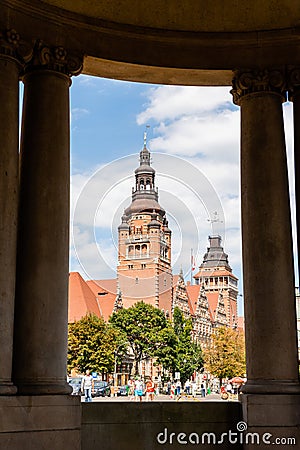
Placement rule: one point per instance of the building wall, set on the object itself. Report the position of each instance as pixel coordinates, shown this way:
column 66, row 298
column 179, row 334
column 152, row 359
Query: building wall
column 128, row 426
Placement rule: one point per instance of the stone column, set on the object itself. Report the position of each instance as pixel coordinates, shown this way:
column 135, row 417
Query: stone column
column 270, row 400
column 268, row 272
column 41, row 318
column 9, row 160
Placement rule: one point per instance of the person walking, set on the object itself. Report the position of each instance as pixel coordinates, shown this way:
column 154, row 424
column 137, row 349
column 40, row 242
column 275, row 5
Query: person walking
column 87, row 384
column 187, row 387
column 194, row 388
column 173, row 391
column 178, row 387
column 131, row 389
column 149, row 390
column 138, row 389
column 169, row 384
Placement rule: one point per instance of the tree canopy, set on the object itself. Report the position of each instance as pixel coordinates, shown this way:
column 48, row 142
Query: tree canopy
column 225, row 356
column 151, row 335
column 189, row 353
column 94, row 344
column 144, row 328
column 91, row 344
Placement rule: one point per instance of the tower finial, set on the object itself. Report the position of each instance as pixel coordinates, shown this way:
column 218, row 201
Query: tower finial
column 145, row 136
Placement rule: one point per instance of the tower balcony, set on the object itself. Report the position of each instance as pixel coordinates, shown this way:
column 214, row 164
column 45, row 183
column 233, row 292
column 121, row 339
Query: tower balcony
column 146, row 194
column 138, row 238
column 134, row 257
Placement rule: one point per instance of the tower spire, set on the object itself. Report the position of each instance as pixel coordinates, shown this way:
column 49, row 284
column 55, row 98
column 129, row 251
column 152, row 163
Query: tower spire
column 145, row 136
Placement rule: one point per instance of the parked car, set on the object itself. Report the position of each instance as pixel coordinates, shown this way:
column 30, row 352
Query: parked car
column 101, row 389
column 75, row 383
column 122, row 390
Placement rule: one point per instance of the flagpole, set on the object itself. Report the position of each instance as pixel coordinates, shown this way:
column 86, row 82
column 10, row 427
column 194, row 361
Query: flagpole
column 191, row 266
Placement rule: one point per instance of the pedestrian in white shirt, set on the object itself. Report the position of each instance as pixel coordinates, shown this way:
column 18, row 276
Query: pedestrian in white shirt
column 87, row 385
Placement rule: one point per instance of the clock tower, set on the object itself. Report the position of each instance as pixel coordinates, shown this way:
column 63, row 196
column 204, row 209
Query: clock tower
column 144, row 244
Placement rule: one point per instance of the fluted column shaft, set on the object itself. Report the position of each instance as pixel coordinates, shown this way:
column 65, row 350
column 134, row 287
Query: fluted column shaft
column 9, row 160
column 268, row 273
column 41, row 319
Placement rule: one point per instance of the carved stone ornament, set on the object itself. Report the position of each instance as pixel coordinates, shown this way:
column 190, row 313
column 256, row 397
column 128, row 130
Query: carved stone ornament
column 9, row 43
column 12, row 46
column 252, row 81
column 54, row 58
column 294, row 82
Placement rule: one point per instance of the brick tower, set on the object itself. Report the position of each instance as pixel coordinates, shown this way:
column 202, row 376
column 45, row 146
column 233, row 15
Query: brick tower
column 215, row 276
column 144, row 244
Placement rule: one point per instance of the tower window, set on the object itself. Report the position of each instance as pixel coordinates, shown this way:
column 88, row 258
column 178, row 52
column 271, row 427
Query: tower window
column 130, row 266
column 136, row 280
column 143, row 266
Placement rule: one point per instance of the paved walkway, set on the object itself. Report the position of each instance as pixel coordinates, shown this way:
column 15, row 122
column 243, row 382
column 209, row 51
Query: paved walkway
column 163, row 398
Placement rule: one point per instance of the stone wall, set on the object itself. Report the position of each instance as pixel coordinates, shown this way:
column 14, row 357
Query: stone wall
column 40, row 422
column 148, row 426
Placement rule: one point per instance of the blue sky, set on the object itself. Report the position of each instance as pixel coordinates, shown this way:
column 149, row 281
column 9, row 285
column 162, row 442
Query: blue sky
column 194, row 141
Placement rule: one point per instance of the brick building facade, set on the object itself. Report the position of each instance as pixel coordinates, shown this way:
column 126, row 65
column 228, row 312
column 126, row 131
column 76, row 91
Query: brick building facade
column 144, row 271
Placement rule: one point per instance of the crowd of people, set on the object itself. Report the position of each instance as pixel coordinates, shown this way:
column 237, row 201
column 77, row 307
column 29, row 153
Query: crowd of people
column 137, row 389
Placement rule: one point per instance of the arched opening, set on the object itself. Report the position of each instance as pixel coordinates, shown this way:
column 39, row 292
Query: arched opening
column 147, row 47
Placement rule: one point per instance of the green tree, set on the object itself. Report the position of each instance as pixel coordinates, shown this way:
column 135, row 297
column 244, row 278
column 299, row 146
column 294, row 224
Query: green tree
column 166, row 348
column 225, row 357
column 189, row 353
column 91, row 345
column 144, row 327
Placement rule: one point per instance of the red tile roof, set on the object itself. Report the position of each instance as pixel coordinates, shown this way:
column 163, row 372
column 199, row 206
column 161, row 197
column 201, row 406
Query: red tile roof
column 105, row 292
column 109, row 285
column 81, row 298
column 175, row 280
column 165, row 300
column 213, row 299
column 193, row 294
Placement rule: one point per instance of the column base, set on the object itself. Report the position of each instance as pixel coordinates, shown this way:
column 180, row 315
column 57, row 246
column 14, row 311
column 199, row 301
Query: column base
column 7, row 388
column 43, row 388
column 271, row 419
column 40, row 422
column 271, row 387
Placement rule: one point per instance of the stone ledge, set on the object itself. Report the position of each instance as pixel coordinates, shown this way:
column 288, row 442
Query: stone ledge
column 39, row 413
column 160, row 412
column 272, row 410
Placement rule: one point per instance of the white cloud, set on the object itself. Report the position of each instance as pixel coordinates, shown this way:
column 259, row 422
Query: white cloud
column 171, row 102
column 77, row 113
column 215, row 136
column 87, row 80
column 200, row 125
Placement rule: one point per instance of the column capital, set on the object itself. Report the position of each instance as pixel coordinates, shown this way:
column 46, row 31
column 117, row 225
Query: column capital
column 247, row 82
column 293, row 77
column 13, row 47
column 56, row 59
